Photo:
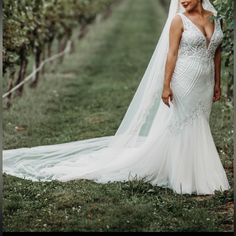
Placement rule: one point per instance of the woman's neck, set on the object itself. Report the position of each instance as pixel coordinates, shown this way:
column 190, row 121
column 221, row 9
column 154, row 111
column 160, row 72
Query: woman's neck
column 198, row 10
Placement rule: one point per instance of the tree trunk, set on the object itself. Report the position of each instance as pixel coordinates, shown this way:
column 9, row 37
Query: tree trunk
column 10, row 86
column 83, row 31
column 19, row 79
column 22, row 72
column 38, row 53
column 49, row 49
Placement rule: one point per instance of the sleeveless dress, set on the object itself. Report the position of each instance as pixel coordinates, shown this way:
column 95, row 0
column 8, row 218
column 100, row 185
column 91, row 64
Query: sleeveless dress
column 179, row 154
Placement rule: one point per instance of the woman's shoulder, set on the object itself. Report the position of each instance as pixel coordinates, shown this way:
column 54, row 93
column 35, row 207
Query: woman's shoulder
column 177, row 22
column 177, row 19
column 208, row 13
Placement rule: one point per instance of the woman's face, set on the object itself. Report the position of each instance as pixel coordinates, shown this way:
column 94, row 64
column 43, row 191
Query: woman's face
column 189, row 5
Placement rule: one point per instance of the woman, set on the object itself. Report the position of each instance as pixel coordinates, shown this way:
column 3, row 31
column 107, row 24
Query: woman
column 164, row 137
column 195, row 10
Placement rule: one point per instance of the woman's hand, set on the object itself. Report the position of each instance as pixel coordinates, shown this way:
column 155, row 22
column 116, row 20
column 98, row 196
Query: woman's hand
column 175, row 34
column 217, row 93
column 167, row 95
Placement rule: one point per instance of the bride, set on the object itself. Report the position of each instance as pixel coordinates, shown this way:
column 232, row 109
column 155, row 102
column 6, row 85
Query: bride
column 164, row 137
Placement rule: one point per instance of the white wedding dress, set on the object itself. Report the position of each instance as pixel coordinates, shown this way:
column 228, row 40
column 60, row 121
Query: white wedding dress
column 179, row 151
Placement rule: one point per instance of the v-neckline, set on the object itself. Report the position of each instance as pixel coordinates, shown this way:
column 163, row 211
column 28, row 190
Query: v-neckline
column 206, row 39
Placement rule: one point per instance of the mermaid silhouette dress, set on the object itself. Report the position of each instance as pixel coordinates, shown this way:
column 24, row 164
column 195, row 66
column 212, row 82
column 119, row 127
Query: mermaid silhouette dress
column 179, row 152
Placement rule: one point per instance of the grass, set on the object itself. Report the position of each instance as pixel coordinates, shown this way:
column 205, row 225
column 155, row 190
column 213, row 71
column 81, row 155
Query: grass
column 116, row 207
column 87, row 97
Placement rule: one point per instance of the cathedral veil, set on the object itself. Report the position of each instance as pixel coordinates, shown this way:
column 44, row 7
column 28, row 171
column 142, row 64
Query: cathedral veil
column 132, row 132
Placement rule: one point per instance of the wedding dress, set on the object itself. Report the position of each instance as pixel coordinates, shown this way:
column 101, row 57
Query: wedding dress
column 169, row 147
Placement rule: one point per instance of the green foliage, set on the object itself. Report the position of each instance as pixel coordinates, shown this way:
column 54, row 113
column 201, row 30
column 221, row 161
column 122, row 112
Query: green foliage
column 225, row 12
column 30, row 24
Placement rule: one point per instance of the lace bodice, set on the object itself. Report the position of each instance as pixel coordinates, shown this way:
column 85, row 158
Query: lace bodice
column 194, row 42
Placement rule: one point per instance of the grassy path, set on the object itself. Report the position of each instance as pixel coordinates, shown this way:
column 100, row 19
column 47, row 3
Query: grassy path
column 87, row 97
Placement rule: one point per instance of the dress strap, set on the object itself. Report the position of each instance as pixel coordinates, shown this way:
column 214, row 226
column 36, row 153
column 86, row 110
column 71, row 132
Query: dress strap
column 185, row 22
column 218, row 24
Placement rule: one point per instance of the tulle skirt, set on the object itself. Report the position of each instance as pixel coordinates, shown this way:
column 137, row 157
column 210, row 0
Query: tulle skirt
column 179, row 152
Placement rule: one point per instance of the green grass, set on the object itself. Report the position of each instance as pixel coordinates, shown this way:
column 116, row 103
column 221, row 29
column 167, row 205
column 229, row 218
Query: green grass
column 117, row 207
column 85, row 97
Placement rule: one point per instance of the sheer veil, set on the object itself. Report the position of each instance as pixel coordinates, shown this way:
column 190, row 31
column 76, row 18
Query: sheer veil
column 136, row 128
column 141, row 112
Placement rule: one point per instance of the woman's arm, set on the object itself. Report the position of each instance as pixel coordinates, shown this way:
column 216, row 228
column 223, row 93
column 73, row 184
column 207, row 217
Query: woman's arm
column 176, row 30
column 217, row 61
column 217, row 88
